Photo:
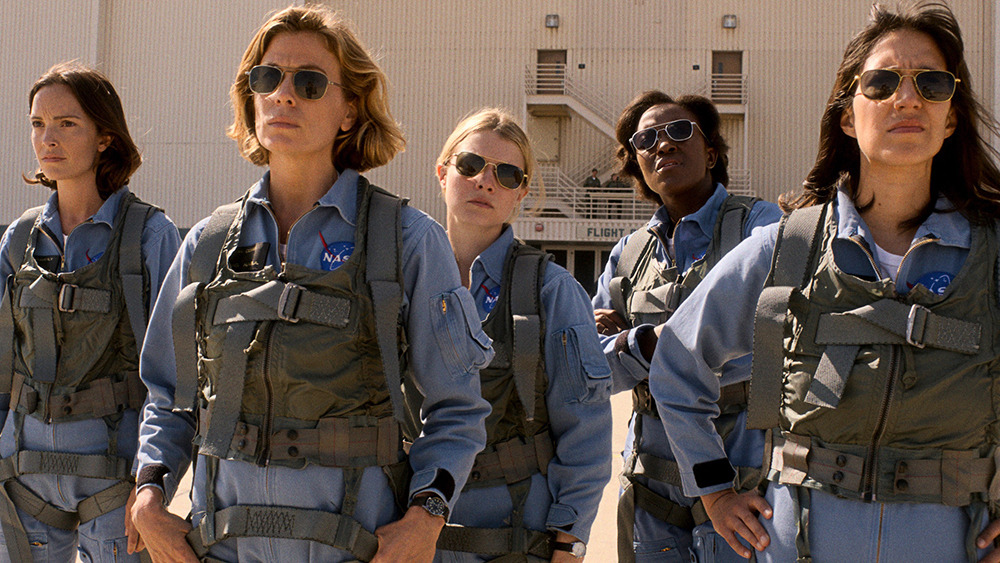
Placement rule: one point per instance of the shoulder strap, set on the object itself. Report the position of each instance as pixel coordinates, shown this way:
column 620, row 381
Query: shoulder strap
column 638, row 244
column 798, row 237
column 135, row 281
column 17, row 245
column 731, row 225
column 383, row 272
column 201, row 270
column 528, row 271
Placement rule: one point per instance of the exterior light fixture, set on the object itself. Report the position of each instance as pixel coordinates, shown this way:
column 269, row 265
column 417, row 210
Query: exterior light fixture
column 729, row 21
column 552, row 21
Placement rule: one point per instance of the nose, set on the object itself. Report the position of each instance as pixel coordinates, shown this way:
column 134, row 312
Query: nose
column 285, row 92
column 906, row 94
column 49, row 136
column 486, row 178
column 664, row 145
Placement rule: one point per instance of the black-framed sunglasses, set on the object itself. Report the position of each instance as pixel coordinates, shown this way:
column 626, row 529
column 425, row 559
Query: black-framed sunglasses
column 678, row 130
column 309, row 84
column 881, row 83
column 469, row 164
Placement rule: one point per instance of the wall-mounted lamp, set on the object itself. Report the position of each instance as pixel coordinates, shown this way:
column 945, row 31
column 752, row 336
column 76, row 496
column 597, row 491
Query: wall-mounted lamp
column 729, row 21
column 552, row 20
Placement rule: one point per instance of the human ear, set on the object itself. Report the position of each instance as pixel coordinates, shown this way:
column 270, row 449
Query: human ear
column 847, row 123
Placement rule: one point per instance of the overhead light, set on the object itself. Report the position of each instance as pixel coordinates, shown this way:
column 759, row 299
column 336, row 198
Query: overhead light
column 552, row 20
column 729, row 21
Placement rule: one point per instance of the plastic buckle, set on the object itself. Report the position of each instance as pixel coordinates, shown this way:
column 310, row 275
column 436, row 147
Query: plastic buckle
column 65, row 301
column 288, row 303
column 916, row 324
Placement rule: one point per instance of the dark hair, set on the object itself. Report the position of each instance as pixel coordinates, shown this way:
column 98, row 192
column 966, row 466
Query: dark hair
column 97, row 97
column 704, row 113
column 375, row 136
column 964, row 170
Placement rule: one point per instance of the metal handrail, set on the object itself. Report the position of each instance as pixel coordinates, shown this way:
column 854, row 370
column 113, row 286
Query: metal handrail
column 728, row 88
column 564, row 198
column 553, row 79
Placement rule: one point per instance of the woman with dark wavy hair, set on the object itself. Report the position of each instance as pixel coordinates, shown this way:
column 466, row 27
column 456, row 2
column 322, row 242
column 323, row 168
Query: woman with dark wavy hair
column 877, row 325
column 79, row 276
column 676, row 156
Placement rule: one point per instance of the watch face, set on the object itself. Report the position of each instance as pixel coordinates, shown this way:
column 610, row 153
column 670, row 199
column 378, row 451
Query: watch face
column 579, row 549
column 435, row 506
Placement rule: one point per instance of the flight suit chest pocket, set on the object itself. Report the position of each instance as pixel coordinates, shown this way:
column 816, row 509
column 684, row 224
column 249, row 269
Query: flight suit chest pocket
column 458, row 330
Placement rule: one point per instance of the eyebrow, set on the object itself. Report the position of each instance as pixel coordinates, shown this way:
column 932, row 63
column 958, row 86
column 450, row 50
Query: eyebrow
column 309, row 66
column 58, row 117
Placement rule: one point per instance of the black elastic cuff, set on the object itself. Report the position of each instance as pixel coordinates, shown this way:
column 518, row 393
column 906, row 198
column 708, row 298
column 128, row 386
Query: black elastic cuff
column 444, row 482
column 621, row 343
column 151, row 475
column 711, row 473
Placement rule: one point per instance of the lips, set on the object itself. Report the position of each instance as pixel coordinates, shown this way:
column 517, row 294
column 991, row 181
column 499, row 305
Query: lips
column 481, row 203
column 667, row 163
column 52, row 158
column 907, row 126
column 281, row 123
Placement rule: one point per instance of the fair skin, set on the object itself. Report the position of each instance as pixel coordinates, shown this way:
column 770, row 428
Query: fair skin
column 67, row 144
column 478, row 208
column 680, row 173
column 898, row 138
column 299, row 134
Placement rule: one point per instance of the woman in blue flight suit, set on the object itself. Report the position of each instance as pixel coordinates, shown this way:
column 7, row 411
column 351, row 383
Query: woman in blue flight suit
column 313, row 277
column 675, row 154
column 538, row 483
column 79, row 277
column 875, row 339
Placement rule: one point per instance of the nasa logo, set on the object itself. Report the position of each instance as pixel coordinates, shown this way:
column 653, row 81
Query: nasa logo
column 697, row 257
column 490, row 297
column 335, row 254
column 936, row 282
column 95, row 258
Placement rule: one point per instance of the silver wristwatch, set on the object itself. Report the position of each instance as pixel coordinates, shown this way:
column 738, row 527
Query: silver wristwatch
column 576, row 549
column 433, row 504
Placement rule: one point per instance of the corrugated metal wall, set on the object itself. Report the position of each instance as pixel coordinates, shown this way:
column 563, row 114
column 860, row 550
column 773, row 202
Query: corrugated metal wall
column 173, row 63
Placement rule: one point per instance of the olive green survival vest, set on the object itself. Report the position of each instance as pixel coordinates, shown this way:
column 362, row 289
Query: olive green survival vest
column 859, row 385
column 295, row 367
column 71, row 352
column 643, row 293
column 518, row 444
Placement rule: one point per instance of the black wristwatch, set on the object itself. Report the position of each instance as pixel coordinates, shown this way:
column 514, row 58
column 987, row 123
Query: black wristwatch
column 433, row 504
column 576, row 549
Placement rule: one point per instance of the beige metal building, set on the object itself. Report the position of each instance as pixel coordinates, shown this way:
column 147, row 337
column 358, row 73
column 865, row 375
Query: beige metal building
column 566, row 66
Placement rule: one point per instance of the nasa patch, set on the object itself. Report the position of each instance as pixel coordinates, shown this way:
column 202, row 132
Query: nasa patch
column 490, row 297
column 936, row 282
column 335, row 253
column 95, row 258
column 696, row 257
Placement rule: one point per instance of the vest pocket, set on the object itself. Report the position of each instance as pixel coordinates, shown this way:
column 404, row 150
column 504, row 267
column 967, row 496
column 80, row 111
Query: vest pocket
column 583, row 361
column 458, row 330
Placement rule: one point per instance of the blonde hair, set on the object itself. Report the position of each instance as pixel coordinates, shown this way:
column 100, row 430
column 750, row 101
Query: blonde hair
column 373, row 140
column 495, row 120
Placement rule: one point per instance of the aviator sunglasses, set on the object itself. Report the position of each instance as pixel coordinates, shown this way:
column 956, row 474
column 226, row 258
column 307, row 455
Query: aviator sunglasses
column 677, row 131
column 309, row 84
column 469, row 164
column 881, row 83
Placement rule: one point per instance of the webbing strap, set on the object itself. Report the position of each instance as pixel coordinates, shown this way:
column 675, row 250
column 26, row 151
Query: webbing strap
column 89, row 508
column 495, row 541
column 183, row 328
column 224, row 412
column 793, row 251
column 95, row 466
column 513, row 460
column 16, row 247
column 131, row 267
column 103, row 397
column 626, row 524
column 15, row 538
column 627, row 261
column 207, row 252
column 243, row 521
column 662, row 508
column 730, row 227
column 357, row 441
column 44, row 293
column 285, row 301
column 526, row 279
column 384, row 240
column 661, row 299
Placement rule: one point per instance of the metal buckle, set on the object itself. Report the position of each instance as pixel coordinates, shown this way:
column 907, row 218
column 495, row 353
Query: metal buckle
column 288, row 304
column 65, row 300
column 917, row 318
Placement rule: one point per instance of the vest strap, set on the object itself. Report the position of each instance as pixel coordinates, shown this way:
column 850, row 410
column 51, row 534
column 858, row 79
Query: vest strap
column 184, row 330
column 224, row 412
column 883, row 322
column 94, row 466
column 383, row 273
column 793, row 252
column 67, row 297
column 732, row 398
column 335, row 442
column 638, row 244
column 496, row 541
column 103, row 397
column 528, row 273
column 242, row 521
column 953, row 479
column 131, row 267
column 513, row 460
column 284, row 301
column 16, row 247
column 661, row 299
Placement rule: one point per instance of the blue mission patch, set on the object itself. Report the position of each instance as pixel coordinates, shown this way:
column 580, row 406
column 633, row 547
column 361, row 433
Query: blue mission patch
column 335, row 254
column 490, row 297
column 936, row 282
